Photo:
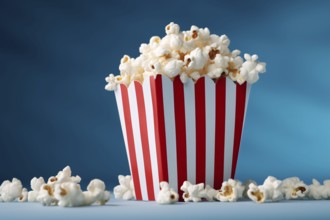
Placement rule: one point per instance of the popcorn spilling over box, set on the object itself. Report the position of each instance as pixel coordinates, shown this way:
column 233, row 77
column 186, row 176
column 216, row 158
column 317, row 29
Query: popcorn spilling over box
column 182, row 106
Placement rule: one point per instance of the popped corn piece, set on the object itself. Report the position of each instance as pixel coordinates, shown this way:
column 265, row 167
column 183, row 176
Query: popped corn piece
column 269, row 191
column 196, row 60
column 256, row 193
column 195, row 75
column 166, row 194
column 10, row 190
column 192, row 192
column 209, row 193
column 24, row 195
column 172, row 28
column 69, row 194
column 294, row 188
column 183, row 77
column 246, row 187
column 317, row 191
column 96, row 188
column 112, row 84
column 35, row 184
column 123, row 79
column 46, row 195
column 173, row 68
column 63, row 176
column 125, row 189
column 231, row 191
column 251, row 68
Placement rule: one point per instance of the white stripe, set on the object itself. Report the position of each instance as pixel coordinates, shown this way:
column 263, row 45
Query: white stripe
column 169, row 119
column 137, row 140
column 210, row 129
column 189, row 106
column 229, row 127
column 122, row 121
column 248, row 90
column 151, row 133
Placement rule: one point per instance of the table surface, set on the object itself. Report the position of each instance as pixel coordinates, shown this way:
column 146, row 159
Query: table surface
column 116, row 209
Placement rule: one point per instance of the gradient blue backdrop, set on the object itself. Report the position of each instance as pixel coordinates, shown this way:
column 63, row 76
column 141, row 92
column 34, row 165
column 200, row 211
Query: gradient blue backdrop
column 54, row 56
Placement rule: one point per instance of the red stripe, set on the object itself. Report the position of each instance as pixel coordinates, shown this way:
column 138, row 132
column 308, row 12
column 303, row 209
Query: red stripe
column 144, row 139
column 160, row 136
column 180, row 132
column 200, row 130
column 130, row 142
column 220, row 124
column 239, row 119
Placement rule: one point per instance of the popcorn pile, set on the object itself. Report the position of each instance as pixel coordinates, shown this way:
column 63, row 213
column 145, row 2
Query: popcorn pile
column 62, row 190
column 188, row 54
column 272, row 190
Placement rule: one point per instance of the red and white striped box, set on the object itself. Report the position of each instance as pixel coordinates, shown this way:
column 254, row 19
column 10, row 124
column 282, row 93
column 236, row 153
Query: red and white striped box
column 175, row 132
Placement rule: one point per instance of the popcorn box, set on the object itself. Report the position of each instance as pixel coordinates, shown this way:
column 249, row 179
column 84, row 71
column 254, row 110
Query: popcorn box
column 175, row 132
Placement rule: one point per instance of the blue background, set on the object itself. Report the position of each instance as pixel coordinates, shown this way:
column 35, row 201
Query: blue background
column 54, row 56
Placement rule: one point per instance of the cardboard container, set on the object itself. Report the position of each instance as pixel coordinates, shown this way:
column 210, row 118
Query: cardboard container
column 175, row 132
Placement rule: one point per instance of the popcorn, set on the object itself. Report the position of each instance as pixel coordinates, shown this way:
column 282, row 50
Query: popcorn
column 24, row 195
column 318, row 191
column 64, row 190
column 193, row 53
column 63, row 176
column 112, row 84
column 46, row 195
column 193, row 193
column 326, row 184
column 172, row 28
column 35, row 184
column 11, row 190
column 96, row 189
column 294, row 188
column 269, row 191
column 125, row 189
column 196, row 60
column 251, row 68
column 246, row 187
column 231, row 191
column 184, row 77
column 173, row 68
column 69, row 194
column 166, row 194
column 209, row 193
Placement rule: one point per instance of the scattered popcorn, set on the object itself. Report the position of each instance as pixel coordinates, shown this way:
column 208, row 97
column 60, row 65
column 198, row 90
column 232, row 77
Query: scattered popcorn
column 125, row 189
column 294, row 188
column 193, row 53
column 193, row 193
column 35, row 184
column 69, row 194
column 11, row 190
column 269, row 191
column 166, row 194
column 64, row 190
column 231, row 191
